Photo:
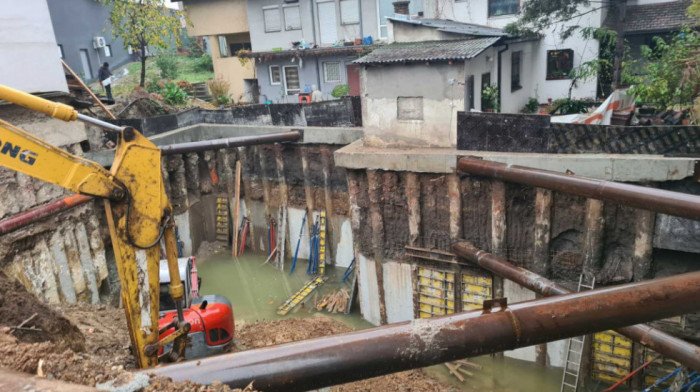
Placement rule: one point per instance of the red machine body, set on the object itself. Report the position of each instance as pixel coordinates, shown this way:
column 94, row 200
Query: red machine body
column 211, row 326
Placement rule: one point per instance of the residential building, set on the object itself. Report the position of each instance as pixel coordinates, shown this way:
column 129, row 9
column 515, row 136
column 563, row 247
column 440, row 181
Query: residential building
column 433, row 68
column 28, row 48
column 84, row 37
column 225, row 24
column 301, row 43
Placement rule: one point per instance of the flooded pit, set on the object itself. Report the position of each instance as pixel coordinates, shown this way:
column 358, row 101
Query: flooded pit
column 257, row 289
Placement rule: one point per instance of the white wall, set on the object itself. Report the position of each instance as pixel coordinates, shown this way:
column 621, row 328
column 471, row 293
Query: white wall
column 382, row 86
column 29, row 56
column 514, row 101
column 476, row 11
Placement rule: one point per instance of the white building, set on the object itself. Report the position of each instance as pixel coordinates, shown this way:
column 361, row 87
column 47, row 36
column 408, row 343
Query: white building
column 29, row 55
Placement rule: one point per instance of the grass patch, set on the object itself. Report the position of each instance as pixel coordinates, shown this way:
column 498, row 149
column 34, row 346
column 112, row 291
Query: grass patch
column 186, row 70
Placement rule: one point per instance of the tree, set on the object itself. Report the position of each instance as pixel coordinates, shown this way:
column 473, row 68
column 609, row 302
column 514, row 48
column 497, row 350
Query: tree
column 538, row 15
column 671, row 74
column 144, row 23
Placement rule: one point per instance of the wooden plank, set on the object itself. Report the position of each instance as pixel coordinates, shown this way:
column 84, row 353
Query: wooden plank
column 80, row 81
column 453, row 370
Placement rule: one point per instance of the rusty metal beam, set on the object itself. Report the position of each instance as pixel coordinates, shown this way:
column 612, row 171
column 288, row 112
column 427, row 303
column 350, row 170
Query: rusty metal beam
column 321, row 362
column 35, row 214
column 646, row 198
column 240, row 141
column 677, row 349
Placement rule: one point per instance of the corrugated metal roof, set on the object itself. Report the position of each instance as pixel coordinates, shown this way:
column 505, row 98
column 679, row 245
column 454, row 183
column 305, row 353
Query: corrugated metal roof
column 399, row 52
column 451, row 26
column 656, row 17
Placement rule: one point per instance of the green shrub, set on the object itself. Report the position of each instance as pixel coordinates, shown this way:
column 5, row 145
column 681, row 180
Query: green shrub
column 572, row 106
column 340, row 90
column 173, row 94
column 154, row 86
column 167, row 64
column 205, row 63
column 532, row 105
column 489, row 98
column 219, row 89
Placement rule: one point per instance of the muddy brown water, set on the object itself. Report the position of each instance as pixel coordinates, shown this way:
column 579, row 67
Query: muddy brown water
column 256, row 290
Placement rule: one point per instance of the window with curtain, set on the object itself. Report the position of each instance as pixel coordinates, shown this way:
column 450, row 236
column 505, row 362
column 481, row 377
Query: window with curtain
column 291, row 79
column 272, row 19
column 349, row 11
column 331, row 72
column 292, row 18
column 275, row 74
column 503, row 7
column 223, row 46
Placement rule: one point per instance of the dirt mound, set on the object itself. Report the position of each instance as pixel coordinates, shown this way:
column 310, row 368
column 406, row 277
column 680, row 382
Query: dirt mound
column 263, row 334
column 39, row 323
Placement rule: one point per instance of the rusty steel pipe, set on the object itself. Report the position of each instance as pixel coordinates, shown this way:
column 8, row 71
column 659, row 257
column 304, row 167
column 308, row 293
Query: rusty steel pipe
column 37, row 213
column 239, row 141
column 332, row 360
column 652, row 199
column 669, row 346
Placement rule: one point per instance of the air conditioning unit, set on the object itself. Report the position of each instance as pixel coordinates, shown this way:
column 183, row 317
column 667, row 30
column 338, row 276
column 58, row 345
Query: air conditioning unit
column 99, row 42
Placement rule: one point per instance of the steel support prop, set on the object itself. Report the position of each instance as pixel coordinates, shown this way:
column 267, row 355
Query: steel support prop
column 338, row 359
column 182, row 148
column 35, row 214
column 652, row 199
column 669, row 346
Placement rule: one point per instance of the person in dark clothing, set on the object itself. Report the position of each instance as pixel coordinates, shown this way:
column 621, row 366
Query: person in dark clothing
column 103, row 74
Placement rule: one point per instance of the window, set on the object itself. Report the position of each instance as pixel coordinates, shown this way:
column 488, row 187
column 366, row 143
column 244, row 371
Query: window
column 327, row 22
column 384, row 9
column 108, row 51
column 214, row 335
column 291, row 79
column 485, row 82
column 349, row 12
column 275, row 76
column 292, row 18
column 60, row 51
column 503, row 7
column 331, row 72
column 515, row 65
column 559, row 64
column 470, row 92
column 223, row 46
column 236, row 46
column 410, row 108
column 272, row 19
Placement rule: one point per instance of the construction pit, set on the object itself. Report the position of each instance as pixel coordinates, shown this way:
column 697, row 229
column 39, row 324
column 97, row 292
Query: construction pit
column 393, row 213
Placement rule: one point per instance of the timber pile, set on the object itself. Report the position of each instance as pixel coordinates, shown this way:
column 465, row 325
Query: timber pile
column 457, row 368
column 334, row 302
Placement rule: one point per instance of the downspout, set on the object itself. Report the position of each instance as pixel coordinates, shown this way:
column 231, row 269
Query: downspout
column 500, row 71
column 313, row 32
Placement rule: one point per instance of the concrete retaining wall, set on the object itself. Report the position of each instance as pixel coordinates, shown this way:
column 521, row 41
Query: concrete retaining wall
column 344, row 112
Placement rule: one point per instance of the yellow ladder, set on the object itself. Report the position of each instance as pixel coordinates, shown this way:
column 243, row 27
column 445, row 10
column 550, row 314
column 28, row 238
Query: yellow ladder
column 322, row 245
column 299, row 297
column 222, row 219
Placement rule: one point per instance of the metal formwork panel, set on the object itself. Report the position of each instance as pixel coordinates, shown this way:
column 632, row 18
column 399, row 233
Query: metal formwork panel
column 475, row 290
column 612, row 356
column 435, row 292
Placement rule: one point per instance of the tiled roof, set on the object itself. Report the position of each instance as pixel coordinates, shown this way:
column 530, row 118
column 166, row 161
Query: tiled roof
column 400, row 52
column 357, row 50
column 450, row 26
column 656, row 17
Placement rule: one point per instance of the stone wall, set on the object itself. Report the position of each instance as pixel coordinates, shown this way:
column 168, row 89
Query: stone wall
column 344, row 112
column 534, row 133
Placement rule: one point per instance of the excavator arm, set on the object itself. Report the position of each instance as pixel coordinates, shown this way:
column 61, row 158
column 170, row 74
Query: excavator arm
column 139, row 214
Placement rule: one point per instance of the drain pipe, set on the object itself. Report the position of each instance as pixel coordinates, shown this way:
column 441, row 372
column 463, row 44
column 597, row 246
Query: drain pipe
column 652, row 199
column 332, row 360
column 500, row 71
column 670, row 346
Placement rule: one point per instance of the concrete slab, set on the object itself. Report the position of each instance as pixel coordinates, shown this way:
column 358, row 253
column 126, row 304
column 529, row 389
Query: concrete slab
column 625, row 168
column 368, row 289
column 398, row 291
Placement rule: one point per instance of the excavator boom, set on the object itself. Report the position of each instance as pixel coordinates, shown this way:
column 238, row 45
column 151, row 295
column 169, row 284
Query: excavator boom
column 138, row 213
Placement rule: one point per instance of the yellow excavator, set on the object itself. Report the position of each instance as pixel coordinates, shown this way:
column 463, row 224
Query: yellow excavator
column 138, row 213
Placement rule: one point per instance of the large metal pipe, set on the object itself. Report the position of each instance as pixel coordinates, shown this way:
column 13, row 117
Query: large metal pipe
column 35, row 214
column 321, row 362
column 652, row 199
column 670, row 346
column 182, row 148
